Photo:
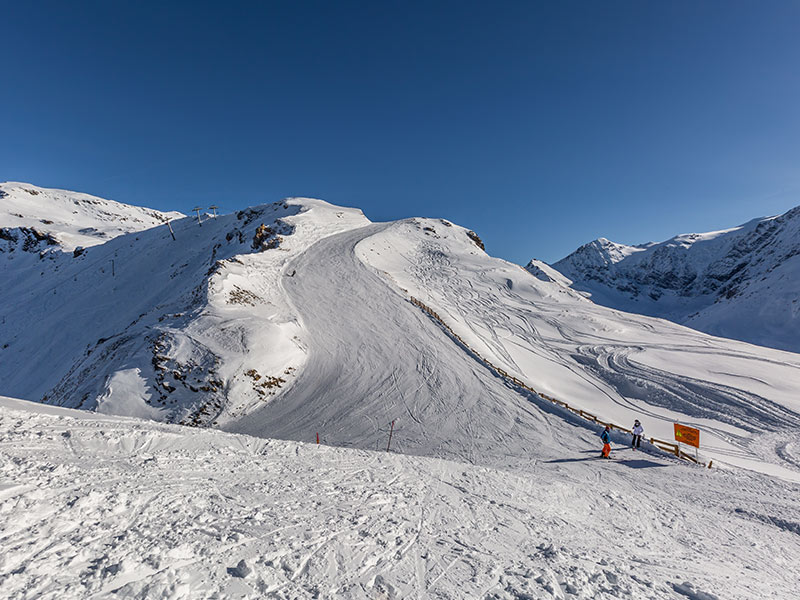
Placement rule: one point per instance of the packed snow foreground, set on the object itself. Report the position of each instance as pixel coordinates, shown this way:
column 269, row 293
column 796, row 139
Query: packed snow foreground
column 94, row 506
column 294, row 320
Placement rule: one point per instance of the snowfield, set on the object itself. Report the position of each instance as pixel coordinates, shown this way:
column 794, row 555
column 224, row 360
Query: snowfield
column 283, row 322
column 99, row 507
column 614, row 365
column 294, row 319
column 71, row 218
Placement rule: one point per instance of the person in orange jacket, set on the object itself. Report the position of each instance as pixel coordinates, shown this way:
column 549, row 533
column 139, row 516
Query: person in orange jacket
column 606, row 437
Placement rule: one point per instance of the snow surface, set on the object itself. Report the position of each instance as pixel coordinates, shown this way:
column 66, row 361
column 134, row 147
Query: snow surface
column 194, row 315
column 74, row 219
column 127, row 395
column 294, row 319
column 616, row 366
column 93, row 506
column 742, row 283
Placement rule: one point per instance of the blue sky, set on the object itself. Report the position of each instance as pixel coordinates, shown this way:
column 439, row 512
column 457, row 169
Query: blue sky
column 541, row 125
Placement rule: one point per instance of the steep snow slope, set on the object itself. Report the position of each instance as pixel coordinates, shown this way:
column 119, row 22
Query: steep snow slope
column 36, row 219
column 742, row 283
column 93, row 506
column 375, row 358
column 615, row 365
column 177, row 330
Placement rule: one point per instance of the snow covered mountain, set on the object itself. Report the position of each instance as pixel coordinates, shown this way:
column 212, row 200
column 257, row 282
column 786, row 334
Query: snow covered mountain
column 294, row 319
column 301, row 319
column 166, row 328
column 742, row 283
column 35, row 219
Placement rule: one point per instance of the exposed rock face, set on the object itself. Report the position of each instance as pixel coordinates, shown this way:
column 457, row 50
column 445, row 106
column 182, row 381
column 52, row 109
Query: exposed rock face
column 742, row 283
column 25, row 239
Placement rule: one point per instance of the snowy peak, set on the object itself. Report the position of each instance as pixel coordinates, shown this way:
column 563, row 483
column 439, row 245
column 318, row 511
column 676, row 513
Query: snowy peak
column 740, row 282
column 603, row 253
column 544, row 272
column 33, row 218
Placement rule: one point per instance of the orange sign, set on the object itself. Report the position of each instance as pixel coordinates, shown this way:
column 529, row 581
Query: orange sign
column 687, row 435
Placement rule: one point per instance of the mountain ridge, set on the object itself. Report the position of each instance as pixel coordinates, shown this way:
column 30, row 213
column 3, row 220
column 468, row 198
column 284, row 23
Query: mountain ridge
column 295, row 318
column 742, row 283
column 37, row 219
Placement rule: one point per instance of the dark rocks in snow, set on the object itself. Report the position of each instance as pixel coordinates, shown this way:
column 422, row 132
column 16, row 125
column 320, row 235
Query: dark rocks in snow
column 269, row 237
column 28, row 239
column 241, row 570
column 478, row 242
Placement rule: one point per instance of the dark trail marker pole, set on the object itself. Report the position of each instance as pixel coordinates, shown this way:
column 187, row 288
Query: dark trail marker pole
column 113, row 273
column 391, row 431
column 172, row 233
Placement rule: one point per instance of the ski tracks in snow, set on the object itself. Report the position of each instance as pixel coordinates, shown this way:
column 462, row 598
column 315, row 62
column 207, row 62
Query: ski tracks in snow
column 613, row 365
column 375, row 358
column 100, row 507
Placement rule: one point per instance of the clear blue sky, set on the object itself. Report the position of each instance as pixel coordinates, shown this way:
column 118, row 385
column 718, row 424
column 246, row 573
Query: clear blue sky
column 541, row 125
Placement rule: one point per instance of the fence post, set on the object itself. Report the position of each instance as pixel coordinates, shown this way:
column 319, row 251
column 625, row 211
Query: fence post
column 391, row 431
column 318, row 438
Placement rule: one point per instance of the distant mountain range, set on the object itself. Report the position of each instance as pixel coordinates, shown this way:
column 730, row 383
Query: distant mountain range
column 741, row 283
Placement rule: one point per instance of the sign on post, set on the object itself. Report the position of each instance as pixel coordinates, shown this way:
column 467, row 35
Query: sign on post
column 687, row 435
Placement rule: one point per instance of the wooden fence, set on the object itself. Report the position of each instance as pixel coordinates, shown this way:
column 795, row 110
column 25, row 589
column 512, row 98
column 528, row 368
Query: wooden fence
column 669, row 447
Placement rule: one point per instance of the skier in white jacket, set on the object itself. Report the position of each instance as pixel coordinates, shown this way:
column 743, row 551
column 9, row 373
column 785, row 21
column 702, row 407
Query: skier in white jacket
column 638, row 431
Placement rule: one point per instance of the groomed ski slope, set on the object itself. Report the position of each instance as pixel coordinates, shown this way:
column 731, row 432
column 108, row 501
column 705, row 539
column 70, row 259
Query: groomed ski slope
column 93, row 506
column 193, row 330
column 374, row 358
